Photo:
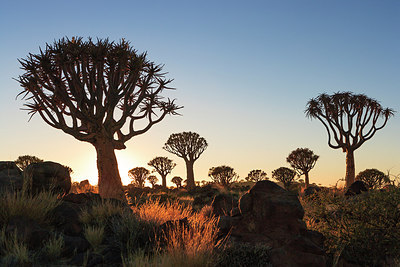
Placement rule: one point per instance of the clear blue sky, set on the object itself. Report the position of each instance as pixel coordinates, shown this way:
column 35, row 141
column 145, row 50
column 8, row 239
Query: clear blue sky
column 244, row 72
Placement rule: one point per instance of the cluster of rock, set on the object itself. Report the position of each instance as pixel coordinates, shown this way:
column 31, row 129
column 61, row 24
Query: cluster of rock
column 269, row 215
column 36, row 177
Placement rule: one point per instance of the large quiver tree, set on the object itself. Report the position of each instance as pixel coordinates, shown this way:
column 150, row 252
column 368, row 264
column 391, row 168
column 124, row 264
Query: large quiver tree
column 163, row 167
column 97, row 92
column 350, row 120
column 302, row 160
column 189, row 146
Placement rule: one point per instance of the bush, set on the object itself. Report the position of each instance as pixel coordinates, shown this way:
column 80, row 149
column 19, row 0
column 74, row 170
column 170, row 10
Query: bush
column 364, row 229
column 243, row 255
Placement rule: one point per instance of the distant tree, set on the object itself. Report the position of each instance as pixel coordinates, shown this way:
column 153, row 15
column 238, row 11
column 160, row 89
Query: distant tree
column 373, row 178
column 302, row 160
column 98, row 92
column 152, row 180
column 23, row 161
column 177, row 180
column 189, row 146
column 350, row 120
column 139, row 176
column 163, row 167
column 256, row 175
column 223, row 175
column 284, row 175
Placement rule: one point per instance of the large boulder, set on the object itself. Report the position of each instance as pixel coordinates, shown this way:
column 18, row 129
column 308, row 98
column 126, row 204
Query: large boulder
column 10, row 176
column 273, row 217
column 222, row 204
column 47, row 175
column 356, row 188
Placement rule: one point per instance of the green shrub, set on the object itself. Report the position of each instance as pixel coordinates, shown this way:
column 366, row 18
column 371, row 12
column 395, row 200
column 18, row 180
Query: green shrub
column 364, row 229
column 243, row 255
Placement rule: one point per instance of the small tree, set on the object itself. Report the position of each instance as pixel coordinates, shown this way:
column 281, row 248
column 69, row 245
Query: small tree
column 24, row 161
column 152, row 180
column 163, row 166
column 223, row 175
column 103, row 93
column 189, row 146
column 302, row 160
column 177, row 180
column 139, row 176
column 284, row 175
column 373, row 178
column 350, row 121
column 256, row 175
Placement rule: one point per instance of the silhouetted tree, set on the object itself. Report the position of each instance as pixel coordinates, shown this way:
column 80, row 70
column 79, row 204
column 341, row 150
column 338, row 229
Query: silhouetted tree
column 163, row 167
column 23, row 161
column 256, row 175
column 350, row 120
column 284, row 175
column 152, row 180
column 373, row 178
column 223, row 175
column 302, row 160
column 189, row 146
column 98, row 92
column 177, row 180
column 139, row 176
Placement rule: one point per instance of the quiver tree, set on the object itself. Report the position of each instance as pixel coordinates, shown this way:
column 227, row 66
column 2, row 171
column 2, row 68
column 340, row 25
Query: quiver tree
column 152, row 180
column 223, row 175
column 98, row 92
column 373, row 178
column 350, row 120
column 139, row 176
column 177, row 180
column 24, row 161
column 189, row 146
column 284, row 175
column 256, row 175
column 163, row 167
column 302, row 160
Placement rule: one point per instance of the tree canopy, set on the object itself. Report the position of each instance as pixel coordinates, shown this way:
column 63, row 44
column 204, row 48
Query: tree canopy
column 163, row 167
column 256, row 175
column 223, row 175
column 139, row 176
column 284, row 175
column 302, row 160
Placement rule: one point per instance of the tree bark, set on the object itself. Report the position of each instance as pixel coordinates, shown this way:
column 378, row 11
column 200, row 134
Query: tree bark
column 110, row 185
column 350, row 168
column 164, row 181
column 190, row 175
column 307, row 179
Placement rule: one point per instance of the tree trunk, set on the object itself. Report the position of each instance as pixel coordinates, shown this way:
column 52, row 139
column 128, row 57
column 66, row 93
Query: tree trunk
column 350, row 168
column 164, row 181
column 190, row 175
column 307, row 179
column 110, row 185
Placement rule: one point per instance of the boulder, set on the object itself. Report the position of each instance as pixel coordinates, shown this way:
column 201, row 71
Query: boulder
column 223, row 204
column 10, row 176
column 356, row 188
column 272, row 216
column 47, row 176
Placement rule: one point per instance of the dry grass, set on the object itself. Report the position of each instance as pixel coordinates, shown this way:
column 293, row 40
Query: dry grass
column 95, row 236
column 100, row 212
column 36, row 207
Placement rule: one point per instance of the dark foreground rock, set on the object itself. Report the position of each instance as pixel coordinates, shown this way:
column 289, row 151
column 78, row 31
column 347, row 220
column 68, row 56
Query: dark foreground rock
column 356, row 188
column 272, row 216
column 10, row 176
column 47, row 175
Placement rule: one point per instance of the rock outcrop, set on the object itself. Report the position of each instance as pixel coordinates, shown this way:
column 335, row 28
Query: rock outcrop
column 356, row 188
column 10, row 176
column 47, row 175
column 272, row 216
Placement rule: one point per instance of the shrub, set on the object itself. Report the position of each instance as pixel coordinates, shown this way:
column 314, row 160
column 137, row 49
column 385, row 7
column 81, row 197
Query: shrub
column 243, row 255
column 95, row 236
column 37, row 207
column 363, row 229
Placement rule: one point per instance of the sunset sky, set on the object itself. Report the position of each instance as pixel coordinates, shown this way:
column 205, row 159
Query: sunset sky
column 243, row 70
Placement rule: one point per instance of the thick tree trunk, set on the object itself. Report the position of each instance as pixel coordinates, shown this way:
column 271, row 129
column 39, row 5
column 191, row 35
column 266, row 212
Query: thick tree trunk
column 350, row 168
column 307, row 179
column 164, row 181
column 190, row 175
column 110, row 185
